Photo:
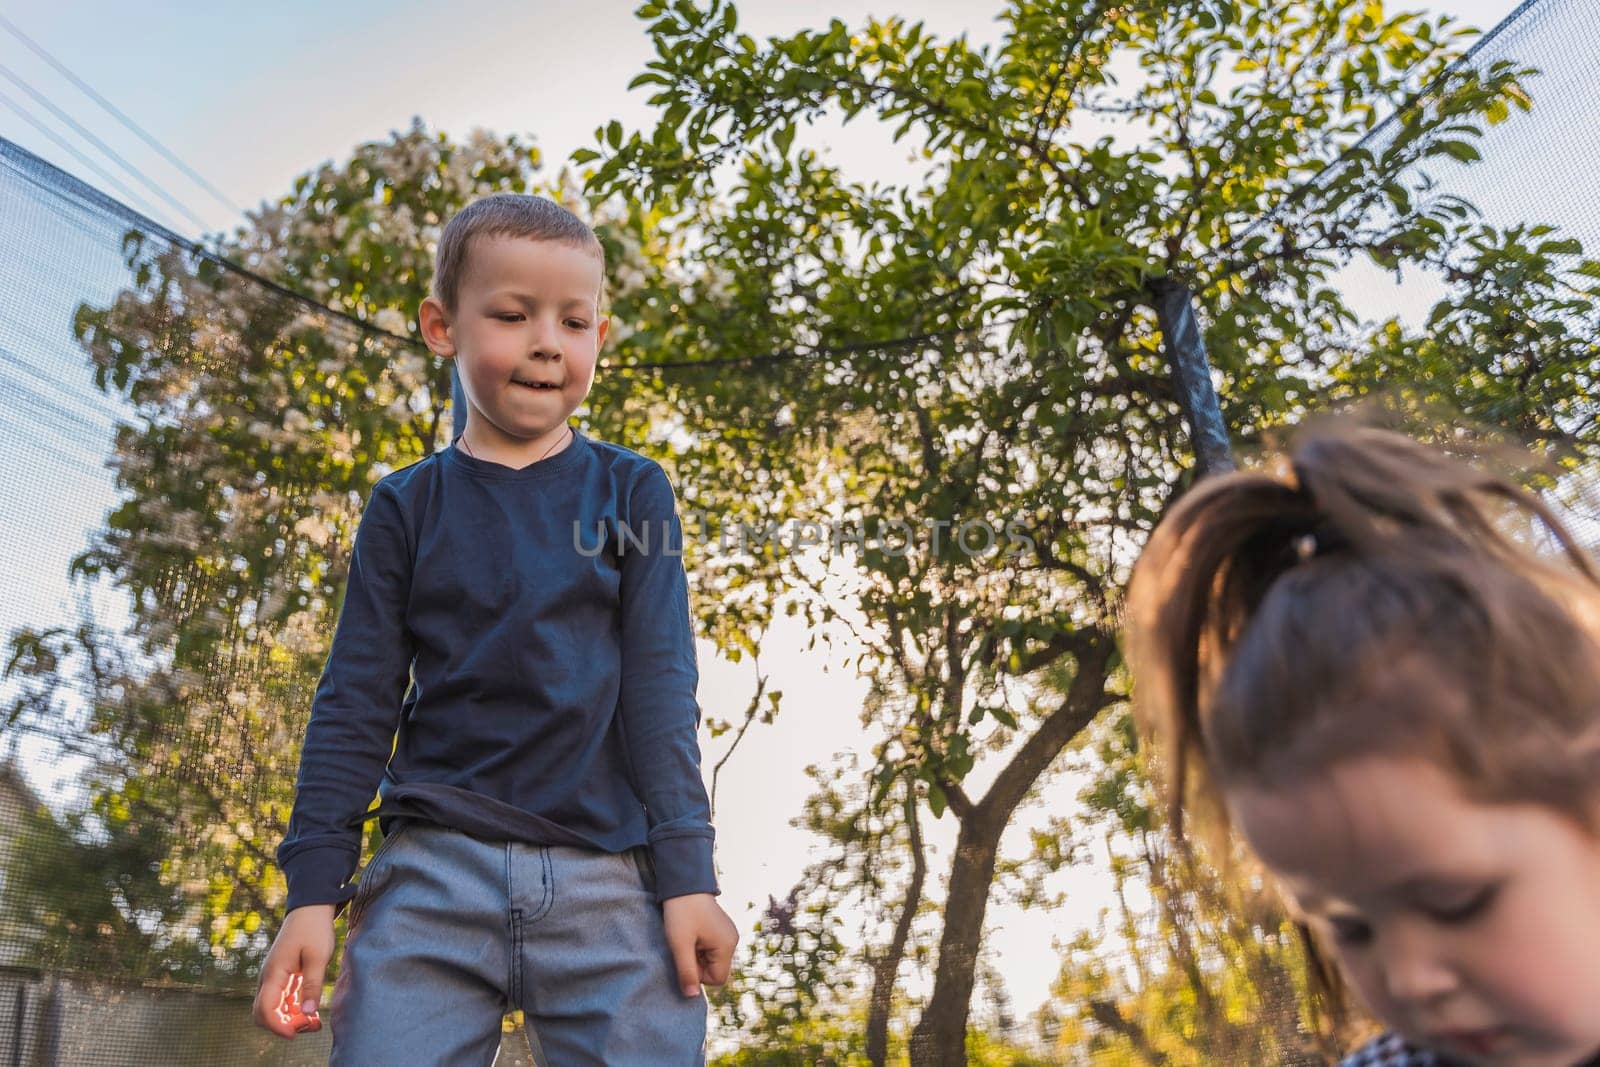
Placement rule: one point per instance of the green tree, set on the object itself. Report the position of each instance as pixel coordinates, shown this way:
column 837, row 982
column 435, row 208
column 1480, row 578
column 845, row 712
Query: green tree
column 259, row 423
column 976, row 344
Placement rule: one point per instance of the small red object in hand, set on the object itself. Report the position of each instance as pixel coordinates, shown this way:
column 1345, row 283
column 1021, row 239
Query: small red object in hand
column 289, row 1007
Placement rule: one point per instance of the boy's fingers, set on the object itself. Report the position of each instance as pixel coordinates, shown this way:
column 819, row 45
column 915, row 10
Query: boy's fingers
column 274, row 977
column 715, row 965
column 687, row 963
column 266, row 997
column 315, row 964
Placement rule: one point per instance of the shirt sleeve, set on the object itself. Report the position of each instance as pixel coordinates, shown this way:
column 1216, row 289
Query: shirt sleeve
column 354, row 712
column 659, row 712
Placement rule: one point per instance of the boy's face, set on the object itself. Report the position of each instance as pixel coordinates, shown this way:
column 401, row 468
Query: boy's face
column 526, row 335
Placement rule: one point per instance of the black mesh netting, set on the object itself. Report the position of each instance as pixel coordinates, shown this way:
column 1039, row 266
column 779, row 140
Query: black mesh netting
column 188, row 453
column 185, row 453
column 1528, row 175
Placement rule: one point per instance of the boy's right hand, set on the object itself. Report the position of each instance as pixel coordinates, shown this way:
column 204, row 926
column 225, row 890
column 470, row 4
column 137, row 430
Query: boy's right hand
column 303, row 946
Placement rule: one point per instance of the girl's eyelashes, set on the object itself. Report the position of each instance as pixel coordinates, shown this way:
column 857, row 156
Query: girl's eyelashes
column 1467, row 911
column 1354, row 933
column 1351, row 933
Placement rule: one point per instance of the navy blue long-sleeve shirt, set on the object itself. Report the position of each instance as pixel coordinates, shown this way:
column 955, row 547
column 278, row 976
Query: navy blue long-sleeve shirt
column 523, row 639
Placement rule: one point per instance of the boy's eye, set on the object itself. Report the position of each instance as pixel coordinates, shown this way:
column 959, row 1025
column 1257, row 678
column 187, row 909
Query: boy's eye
column 577, row 324
column 509, row 316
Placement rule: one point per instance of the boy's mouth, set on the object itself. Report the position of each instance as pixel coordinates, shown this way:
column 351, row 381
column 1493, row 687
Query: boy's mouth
column 536, row 385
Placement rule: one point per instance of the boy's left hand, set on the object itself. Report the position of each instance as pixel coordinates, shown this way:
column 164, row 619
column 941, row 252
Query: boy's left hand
column 702, row 939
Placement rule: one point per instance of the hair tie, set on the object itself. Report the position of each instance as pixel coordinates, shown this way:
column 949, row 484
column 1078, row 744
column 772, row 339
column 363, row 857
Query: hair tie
column 1321, row 541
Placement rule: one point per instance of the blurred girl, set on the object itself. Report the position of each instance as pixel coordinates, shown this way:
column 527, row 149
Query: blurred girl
column 1396, row 701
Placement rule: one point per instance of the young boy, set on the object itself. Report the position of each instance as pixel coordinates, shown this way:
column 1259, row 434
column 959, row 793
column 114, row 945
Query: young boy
column 547, row 839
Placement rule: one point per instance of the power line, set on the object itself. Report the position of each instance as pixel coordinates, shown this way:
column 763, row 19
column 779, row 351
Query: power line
column 912, row 341
column 68, row 146
column 848, row 348
column 640, row 365
column 124, row 119
column 92, row 139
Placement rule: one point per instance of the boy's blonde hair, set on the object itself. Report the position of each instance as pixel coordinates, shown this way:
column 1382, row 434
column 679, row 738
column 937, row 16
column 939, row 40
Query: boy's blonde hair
column 506, row 215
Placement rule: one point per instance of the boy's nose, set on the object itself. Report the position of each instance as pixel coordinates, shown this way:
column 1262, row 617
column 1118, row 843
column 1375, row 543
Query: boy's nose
column 546, row 345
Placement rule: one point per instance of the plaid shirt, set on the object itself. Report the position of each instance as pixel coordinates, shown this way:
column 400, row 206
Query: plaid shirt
column 1390, row 1051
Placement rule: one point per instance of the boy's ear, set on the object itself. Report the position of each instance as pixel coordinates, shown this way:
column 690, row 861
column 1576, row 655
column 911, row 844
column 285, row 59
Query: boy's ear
column 601, row 328
column 434, row 325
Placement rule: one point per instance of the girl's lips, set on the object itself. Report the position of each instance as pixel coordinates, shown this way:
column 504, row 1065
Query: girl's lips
column 1479, row 1042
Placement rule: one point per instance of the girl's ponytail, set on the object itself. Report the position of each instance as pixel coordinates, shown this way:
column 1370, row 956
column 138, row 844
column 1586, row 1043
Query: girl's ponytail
column 1382, row 537
column 1386, row 493
column 1196, row 586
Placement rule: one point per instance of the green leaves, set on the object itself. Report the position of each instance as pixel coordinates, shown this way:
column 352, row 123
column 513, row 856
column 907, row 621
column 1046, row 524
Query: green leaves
column 251, row 429
column 782, row 139
column 972, row 341
column 1463, row 151
column 937, row 801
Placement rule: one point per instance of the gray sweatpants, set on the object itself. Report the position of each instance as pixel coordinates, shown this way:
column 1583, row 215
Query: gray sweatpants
column 447, row 933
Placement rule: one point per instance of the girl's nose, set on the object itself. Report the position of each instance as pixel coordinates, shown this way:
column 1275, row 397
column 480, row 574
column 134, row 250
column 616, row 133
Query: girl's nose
column 1414, row 970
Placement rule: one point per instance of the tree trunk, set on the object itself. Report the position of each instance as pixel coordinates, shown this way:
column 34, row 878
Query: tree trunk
column 940, row 1037
column 886, row 968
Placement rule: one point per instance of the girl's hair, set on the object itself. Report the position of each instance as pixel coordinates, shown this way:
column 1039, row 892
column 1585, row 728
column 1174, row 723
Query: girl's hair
column 1365, row 598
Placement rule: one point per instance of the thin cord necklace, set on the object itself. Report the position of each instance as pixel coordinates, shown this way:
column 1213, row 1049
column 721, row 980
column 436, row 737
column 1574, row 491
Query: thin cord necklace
column 463, row 440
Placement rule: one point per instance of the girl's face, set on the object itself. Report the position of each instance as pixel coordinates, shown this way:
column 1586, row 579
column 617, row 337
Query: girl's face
column 1470, row 928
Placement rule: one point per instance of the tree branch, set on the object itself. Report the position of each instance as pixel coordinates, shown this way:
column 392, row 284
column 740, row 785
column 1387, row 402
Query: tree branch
column 750, row 714
column 1085, row 697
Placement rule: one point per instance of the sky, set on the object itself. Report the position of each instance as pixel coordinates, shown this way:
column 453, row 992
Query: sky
column 251, row 96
